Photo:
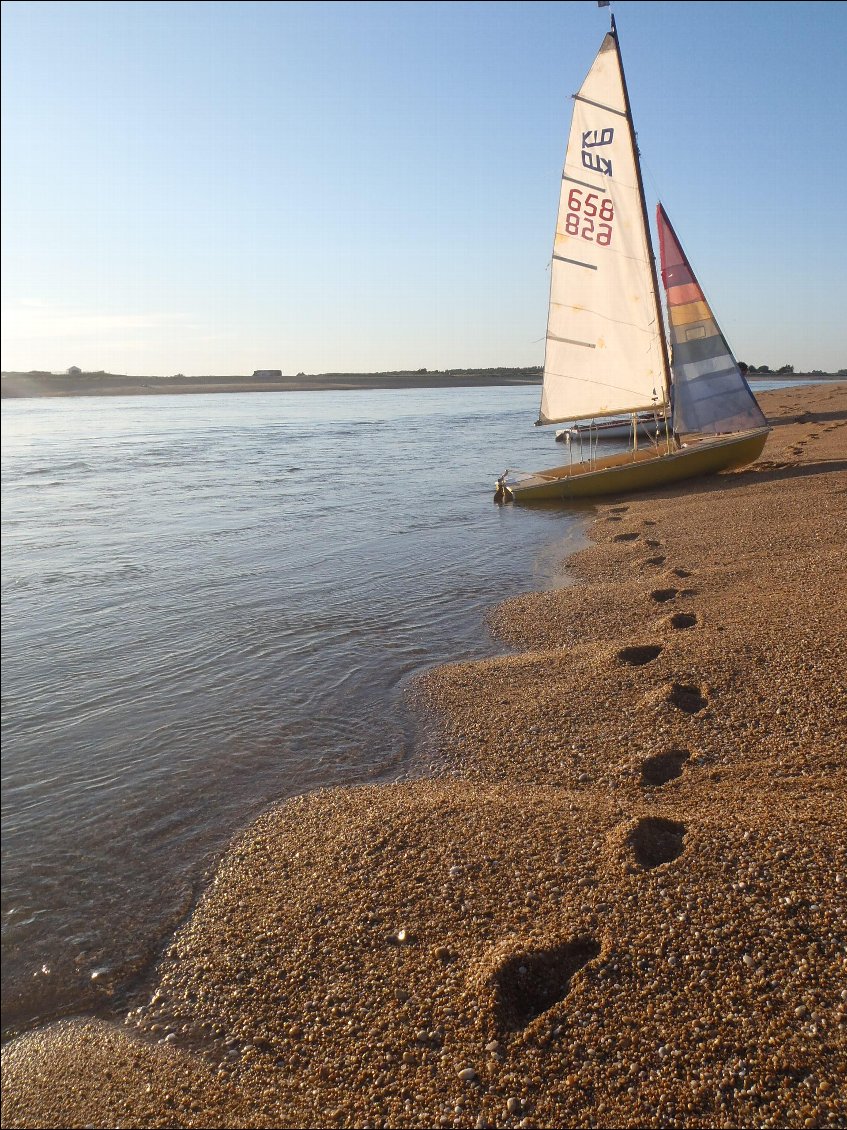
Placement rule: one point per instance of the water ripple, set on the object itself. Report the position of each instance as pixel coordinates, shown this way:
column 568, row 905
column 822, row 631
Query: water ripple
column 213, row 604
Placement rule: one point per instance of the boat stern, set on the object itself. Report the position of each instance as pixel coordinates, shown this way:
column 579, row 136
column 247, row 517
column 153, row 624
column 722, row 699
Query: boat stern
column 502, row 493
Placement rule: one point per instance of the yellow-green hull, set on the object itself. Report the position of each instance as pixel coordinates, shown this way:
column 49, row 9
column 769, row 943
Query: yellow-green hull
column 638, row 470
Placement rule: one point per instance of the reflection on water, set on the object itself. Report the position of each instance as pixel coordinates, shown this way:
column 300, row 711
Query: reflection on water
column 212, row 602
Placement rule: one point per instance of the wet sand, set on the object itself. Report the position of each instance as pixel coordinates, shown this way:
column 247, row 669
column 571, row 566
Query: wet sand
column 621, row 900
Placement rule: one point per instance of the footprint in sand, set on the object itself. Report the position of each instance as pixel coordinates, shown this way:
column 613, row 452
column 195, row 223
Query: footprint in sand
column 655, row 840
column 618, row 509
column 663, row 767
column 687, row 698
column 526, row 985
column 638, row 655
column 626, row 537
column 659, row 559
column 681, row 620
column 662, row 596
column 681, row 572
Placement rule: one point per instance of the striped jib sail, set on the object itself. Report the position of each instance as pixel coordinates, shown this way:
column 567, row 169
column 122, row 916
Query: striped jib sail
column 710, row 394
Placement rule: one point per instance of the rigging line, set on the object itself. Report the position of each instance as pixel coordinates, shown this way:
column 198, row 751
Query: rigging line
column 653, row 182
column 605, row 384
column 658, row 195
column 620, row 254
column 605, row 317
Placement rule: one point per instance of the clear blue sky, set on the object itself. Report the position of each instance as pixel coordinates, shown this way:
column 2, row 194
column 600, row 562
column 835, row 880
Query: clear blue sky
column 218, row 187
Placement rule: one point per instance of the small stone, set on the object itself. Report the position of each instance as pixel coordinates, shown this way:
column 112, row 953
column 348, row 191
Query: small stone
column 467, row 1074
column 513, row 1105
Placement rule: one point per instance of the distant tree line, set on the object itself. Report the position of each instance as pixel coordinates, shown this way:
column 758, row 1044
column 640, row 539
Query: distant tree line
column 781, row 372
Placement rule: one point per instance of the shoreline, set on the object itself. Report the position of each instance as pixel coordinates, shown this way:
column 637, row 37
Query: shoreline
column 619, row 905
column 22, row 386
column 34, row 385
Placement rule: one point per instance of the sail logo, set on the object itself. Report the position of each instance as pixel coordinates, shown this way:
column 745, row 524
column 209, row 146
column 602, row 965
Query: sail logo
column 592, row 139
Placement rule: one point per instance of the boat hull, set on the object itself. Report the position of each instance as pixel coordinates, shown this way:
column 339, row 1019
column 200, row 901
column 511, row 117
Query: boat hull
column 639, row 470
column 616, row 428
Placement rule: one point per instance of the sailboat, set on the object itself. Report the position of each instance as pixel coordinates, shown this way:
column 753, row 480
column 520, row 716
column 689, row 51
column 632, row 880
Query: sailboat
column 606, row 352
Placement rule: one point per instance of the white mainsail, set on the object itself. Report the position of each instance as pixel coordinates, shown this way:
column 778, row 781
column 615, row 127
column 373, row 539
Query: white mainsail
column 604, row 354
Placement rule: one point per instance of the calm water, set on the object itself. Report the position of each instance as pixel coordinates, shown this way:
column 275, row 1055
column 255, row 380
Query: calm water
column 210, row 603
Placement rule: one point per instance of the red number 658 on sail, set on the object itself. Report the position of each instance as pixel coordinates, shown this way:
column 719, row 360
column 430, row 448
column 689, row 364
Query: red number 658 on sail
column 584, row 218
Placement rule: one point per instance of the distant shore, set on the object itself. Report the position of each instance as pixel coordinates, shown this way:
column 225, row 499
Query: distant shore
column 37, row 384
column 34, row 384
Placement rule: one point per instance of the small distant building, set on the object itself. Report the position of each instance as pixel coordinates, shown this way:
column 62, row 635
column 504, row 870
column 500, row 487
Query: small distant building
column 267, row 373
column 74, row 371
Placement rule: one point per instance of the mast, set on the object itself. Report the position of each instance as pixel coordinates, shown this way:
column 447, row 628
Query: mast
column 651, row 254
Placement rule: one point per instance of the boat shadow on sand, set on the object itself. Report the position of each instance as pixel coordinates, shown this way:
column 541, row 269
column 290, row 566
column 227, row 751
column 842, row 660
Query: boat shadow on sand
column 762, row 472
column 806, row 418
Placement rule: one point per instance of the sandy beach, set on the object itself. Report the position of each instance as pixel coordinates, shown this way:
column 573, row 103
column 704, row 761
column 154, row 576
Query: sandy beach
column 616, row 898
